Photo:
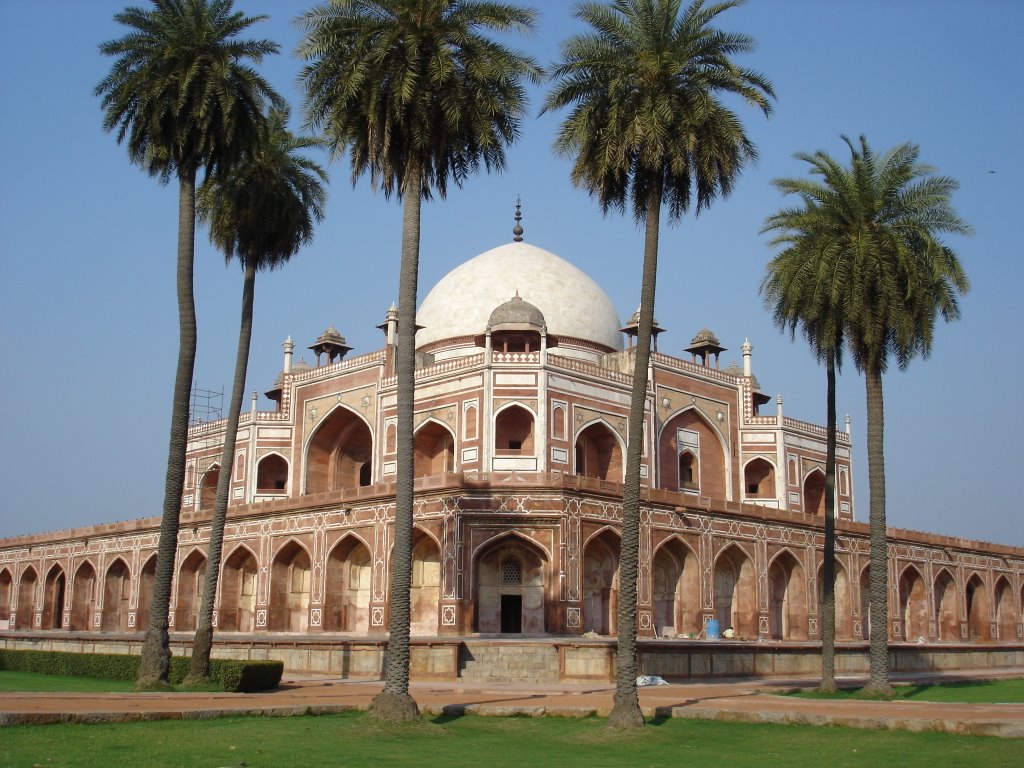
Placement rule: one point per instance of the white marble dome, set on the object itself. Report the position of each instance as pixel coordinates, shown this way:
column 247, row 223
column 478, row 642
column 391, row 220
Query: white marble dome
column 572, row 303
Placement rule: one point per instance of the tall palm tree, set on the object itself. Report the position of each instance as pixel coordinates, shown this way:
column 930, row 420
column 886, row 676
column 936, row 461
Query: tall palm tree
column 182, row 95
column 802, row 290
column 648, row 127
column 419, row 95
column 885, row 216
column 261, row 212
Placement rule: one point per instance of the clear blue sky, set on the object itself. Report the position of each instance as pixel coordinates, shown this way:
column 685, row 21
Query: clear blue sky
column 88, row 328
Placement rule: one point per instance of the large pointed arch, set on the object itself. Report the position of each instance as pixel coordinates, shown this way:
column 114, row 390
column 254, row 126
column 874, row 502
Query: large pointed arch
column 339, row 452
column 54, row 588
column 348, row 572
column 425, row 588
column 83, row 596
column 117, row 590
column 512, row 573
column 147, row 577
column 238, row 582
column 599, row 452
column 710, row 448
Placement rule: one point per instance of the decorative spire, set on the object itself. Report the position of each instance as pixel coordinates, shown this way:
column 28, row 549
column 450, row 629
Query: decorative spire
column 517, row 230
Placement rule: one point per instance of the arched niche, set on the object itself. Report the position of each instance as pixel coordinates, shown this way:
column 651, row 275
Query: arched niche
column 599, row 453
column 191, row 575
column 913, row 605
column 814, row 493
column 601, row 583
column 272, row 474
column 117, row 590
column 787, row 598
column 237, row 609
column 83, row 597
column 513, row 431
column 735, row 592
column 54, row 587
column 675, row 577
column 6, row 594
column 425, row 594
column 348, row 572
column 339, row 455
column 433, row 450
column 290, row 580
column 759, row 479
column 27, row 598
column 843, row 604
column 1006, row 618
column 944, row 596
column 511, row 575
column 688, row 432
column 208, row 489
column 147, row 576
column 977, row 609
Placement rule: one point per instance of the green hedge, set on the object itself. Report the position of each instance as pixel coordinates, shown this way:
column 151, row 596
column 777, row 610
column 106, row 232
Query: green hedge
column 233, row 675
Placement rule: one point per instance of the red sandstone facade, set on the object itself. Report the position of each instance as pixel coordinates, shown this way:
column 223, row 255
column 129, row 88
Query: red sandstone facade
column 520, row 441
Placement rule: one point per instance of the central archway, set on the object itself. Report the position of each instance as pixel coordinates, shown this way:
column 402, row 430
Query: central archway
column 511, row 587
column 340, row 453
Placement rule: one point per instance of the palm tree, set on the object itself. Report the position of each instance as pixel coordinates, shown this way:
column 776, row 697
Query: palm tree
column 262, row 211
column 648, row 126
column 182, row 96
column 419, row 95
column 884, row 216
column 801, row 288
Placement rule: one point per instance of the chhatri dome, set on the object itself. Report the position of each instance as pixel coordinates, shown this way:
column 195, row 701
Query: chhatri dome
column 571, row 303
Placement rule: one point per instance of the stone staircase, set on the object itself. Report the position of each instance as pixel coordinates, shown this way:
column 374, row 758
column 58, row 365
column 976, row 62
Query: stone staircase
column 504, row 662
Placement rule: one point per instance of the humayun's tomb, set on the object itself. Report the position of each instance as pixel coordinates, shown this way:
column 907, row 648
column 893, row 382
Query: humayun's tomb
column 522, row 394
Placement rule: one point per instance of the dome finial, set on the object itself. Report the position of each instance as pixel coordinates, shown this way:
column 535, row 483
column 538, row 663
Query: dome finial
column 517, row 230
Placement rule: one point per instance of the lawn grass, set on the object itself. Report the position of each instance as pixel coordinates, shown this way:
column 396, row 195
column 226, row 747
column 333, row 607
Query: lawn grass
column 355, row 740
column 970, row 692
column 37, row 682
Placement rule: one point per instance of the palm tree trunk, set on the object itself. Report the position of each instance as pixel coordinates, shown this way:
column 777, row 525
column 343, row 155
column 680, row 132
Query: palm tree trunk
column 626, row 708
column 394, row 702
column 828, row 601
column 156, row 653
column 199, row 666
column 879, row 587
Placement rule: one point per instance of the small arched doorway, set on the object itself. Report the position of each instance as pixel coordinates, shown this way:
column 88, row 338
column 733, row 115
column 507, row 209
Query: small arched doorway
column 977, row 609
column 735, row 592
column 759, row 480
column 434, row 450
column 913, row 605
column 947, row 625
column 27, row 598
column 425, row 596
column 814, row 493
column 208, row 489
column 272, row 474
column 6, row 593
column 1006, row 620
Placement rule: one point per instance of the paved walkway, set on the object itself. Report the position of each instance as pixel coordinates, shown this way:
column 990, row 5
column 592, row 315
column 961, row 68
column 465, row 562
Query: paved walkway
column 746, row 700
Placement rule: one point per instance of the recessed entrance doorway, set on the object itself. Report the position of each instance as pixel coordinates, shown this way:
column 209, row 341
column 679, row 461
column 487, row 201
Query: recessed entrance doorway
column 511, row 614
